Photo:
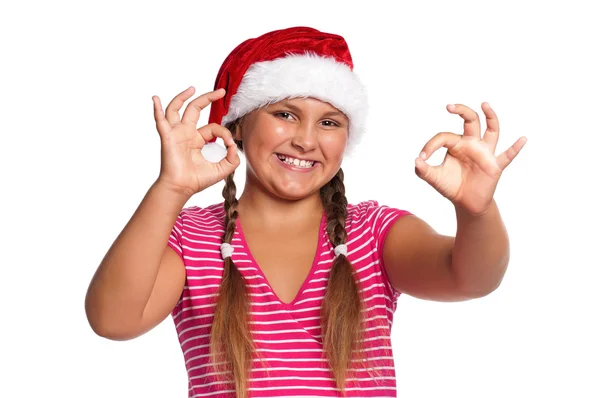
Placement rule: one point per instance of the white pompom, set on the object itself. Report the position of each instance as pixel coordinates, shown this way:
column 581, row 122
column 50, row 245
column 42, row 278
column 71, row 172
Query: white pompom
column 213, row 152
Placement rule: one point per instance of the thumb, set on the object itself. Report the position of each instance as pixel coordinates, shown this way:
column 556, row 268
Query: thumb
column 426, row 172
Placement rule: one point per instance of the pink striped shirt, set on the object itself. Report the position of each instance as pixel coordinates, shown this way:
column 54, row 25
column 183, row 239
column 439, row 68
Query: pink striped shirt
column 287, row 336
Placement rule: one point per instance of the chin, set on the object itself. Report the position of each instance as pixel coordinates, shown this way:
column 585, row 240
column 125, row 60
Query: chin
column 295, row 193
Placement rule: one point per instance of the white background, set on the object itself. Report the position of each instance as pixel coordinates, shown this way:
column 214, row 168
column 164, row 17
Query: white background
column 79, row 150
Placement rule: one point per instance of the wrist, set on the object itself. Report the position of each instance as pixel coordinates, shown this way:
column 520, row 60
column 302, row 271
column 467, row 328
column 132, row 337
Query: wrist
column 174, row 193
column 462, row 212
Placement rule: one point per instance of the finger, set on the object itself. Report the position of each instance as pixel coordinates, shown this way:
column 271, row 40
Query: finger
column 429, row 174
column 444, row 139
column 493, row 126
column 504, row 159
column 162, row 125
column 214, row 130
column 230, row 162
column 472, row 125
column 192, row 111
column 176, row 103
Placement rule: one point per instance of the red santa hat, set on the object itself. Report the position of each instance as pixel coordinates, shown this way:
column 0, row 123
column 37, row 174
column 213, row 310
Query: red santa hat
column 295, row 62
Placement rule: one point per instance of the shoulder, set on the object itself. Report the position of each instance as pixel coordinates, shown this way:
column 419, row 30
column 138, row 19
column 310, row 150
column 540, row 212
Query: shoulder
column 196, row 219
column 213, row 212
column 374, row 216
column 196, row 227
column 369, row 222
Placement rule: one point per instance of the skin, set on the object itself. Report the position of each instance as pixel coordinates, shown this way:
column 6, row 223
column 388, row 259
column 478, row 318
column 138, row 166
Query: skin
column 139, row 280
column 431, row 266
column 418, row 260
column 274, row 197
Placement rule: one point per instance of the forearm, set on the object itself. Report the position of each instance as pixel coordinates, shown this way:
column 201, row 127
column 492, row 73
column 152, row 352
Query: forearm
column 125, row 278
column 481, row 250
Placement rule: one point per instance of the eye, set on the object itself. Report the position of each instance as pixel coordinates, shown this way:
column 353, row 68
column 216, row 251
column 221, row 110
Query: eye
column 284, row 115
column 331, row 123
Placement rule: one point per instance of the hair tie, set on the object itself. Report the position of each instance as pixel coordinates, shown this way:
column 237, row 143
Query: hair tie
column 341, row 249
column 226, row 250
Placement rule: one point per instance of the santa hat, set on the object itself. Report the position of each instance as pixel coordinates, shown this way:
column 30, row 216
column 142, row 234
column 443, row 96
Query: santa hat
column 288, row 63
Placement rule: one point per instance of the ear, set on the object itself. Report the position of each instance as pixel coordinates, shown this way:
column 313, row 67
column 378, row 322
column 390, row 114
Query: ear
column 237, row 132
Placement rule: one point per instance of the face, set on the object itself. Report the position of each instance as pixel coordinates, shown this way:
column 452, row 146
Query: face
column 294, row 147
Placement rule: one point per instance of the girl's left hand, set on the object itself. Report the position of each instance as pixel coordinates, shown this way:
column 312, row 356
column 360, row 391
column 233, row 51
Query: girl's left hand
column 470, row 172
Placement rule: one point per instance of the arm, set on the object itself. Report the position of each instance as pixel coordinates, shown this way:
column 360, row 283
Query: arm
column 140, row 278
column 424, row 264
column 481, row 251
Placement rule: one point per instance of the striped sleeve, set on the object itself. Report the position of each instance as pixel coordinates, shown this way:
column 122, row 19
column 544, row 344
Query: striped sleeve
column 380, row 219
column 175, row 239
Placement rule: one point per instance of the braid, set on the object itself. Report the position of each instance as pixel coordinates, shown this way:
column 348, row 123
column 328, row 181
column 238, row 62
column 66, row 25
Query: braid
column 341, row 312
column 231, row 344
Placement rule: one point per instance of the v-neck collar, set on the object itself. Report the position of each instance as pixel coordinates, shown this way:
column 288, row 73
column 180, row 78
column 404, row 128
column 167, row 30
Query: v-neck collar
column 308, row 278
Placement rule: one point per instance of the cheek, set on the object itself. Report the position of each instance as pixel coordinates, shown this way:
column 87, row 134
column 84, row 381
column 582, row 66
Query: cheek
column 280, row 130
column 334, row 143
column 272, row 133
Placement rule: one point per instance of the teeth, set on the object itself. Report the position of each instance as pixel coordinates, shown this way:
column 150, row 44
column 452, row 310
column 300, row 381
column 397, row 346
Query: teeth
column 296, row 162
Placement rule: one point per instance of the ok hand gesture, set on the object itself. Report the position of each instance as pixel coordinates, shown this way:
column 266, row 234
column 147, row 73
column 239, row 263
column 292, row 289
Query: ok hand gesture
column 470, row 172
column 183, row 168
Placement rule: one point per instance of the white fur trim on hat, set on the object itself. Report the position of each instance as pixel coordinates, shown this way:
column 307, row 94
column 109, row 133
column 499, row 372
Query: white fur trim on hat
column 303, row 75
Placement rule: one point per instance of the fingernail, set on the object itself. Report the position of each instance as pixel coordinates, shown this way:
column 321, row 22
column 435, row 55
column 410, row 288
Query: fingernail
column 451, row 107
column 422, row 155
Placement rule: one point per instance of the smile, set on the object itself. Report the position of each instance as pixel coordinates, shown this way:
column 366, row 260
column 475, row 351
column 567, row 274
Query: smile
column 289, row 163
column 296, row 163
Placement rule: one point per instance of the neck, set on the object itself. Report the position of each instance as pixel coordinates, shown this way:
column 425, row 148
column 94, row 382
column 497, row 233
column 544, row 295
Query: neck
column 260, row 207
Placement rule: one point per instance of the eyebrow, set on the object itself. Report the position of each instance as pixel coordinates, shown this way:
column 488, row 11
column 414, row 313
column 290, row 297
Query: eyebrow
column 296, row 109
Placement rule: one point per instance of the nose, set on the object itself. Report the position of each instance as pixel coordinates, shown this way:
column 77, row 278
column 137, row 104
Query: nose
column 305, row 137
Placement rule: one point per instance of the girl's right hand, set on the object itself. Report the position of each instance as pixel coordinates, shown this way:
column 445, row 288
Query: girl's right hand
column 183, row 168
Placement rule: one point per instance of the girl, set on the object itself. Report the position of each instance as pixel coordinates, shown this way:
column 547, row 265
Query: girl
column 289, row 290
